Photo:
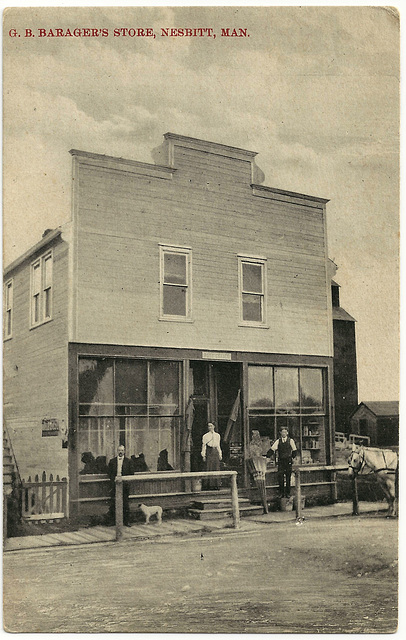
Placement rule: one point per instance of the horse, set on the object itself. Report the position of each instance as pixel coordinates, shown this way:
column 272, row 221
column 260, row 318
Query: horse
column 384, row 463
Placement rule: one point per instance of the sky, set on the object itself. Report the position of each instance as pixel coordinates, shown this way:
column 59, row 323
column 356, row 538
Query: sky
column 313, row 90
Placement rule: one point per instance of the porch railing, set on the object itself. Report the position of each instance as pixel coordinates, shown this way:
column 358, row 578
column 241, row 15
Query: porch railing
column 197, row 475
column 44, row 499
column 354, row 438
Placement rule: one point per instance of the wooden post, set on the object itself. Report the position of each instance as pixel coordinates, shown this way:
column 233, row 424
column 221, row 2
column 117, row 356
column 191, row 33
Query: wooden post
column 355, row 506
column 119, row 508
column 234, row 501
column 298, row 491
column 334, row 492
column 4, row 517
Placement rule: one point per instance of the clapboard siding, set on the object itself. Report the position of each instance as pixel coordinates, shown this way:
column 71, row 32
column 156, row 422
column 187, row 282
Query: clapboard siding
column 209, row 206
column 35, row 371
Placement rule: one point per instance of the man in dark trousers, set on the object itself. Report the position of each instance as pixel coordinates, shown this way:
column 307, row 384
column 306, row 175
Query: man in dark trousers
column 286, row 449
column 120, row 466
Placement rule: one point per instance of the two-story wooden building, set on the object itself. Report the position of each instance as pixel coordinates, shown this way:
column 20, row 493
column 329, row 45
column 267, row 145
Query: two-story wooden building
column 180, row 292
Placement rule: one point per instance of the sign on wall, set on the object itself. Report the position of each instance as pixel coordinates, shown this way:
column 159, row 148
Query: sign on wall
column 50, row 427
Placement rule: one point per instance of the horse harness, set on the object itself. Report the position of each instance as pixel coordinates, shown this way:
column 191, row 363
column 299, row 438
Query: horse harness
column 365, row 464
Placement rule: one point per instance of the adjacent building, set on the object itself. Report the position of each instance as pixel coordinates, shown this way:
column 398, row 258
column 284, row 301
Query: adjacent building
column 377, row 420
column 345, row 363
column 181, row 291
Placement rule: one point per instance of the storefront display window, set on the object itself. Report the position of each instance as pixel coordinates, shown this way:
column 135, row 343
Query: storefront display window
column 299, row 406
column 130, row 402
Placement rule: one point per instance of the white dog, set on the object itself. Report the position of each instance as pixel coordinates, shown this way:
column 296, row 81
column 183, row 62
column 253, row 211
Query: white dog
column 151, row 511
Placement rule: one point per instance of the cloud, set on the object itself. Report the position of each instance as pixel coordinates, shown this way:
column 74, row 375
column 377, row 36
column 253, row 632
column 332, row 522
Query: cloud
column 314, row 90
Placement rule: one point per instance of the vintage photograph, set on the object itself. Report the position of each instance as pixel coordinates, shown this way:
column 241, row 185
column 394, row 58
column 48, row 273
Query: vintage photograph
column 201, row 319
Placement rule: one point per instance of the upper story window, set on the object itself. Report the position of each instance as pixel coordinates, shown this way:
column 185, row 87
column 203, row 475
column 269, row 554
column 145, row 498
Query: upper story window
column 252, row 290
column 41, row 290
column 176, row 283
column 8, row 309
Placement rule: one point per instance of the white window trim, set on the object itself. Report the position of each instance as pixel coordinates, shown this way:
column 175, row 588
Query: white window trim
column 186, row 251
column 42, row 319
column 8, row 285
column 244, row 259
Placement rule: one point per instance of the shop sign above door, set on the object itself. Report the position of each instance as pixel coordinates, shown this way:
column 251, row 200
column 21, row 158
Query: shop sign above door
column 216, row 355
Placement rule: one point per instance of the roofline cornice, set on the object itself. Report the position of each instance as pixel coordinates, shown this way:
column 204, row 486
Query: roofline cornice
column 214, row 147
column 133, row 163
column 291, row 194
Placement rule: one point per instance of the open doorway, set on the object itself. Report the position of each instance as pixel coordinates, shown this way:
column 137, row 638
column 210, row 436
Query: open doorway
column 215, row 389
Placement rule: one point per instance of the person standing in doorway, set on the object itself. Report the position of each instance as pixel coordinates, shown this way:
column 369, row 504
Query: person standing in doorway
column 212, row 455
column 287, row 451
column 120, row 466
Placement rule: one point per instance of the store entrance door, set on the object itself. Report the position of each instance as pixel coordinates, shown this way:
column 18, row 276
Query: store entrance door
column 215, row 389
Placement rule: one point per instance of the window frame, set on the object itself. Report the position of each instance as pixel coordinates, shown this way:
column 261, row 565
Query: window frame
column 41, row 296
column 177, row 250
column 111, row 417
column 8, row 308
column 262, row 262
column 275, row 414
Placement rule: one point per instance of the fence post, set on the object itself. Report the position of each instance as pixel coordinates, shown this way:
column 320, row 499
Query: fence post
column 334, row 490
column 234, row 501
column 119, row 508
column 298, row 491
column 355, row 505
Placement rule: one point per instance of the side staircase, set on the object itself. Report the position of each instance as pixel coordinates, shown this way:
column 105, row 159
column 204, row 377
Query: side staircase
column 217, row 507
column 11, row 482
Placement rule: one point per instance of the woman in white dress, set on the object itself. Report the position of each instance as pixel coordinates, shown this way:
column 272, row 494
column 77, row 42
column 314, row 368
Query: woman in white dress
column 212, row 455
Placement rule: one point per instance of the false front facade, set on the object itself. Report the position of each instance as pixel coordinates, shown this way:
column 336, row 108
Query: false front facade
column 181, row 292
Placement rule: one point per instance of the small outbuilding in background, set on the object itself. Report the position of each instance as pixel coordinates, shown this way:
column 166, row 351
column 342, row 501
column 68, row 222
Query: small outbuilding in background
column 379, row 421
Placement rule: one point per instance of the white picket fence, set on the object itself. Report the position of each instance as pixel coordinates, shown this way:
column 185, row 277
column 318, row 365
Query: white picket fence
column 44, row 499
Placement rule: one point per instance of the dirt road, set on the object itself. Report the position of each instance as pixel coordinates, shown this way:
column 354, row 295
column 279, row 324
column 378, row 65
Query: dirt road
column 328, row 576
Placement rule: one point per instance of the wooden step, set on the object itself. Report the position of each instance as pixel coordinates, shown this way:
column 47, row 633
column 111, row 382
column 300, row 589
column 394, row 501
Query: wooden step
column 220, row 514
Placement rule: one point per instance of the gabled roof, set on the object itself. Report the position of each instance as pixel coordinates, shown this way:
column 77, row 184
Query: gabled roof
column 341, row 314
column 46, row 239
column 382, row 408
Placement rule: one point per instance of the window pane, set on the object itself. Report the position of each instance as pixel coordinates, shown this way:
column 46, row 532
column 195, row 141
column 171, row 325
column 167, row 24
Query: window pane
column 311, row 389
column 164, row 388
column 96, row 384
column 47, row 303
column 199, row 382
column 36, row 278
column 96, row 444
column 313, row 440
column 35, row 310
column 266, row 427
column 167, row 442
column 9, row 296
column 175, row 268
column 260, row 387
column 252, row 308
column 287, row 389
column 291, row 423
column 47, row 272
column 174, row 301
column 136, row 430
column 131, row 385
column 252, row 277
column 151, row 444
